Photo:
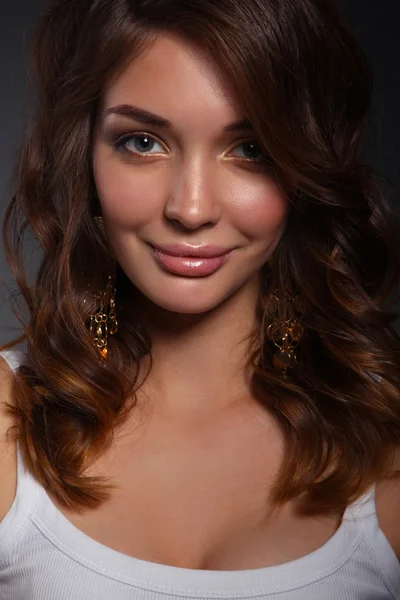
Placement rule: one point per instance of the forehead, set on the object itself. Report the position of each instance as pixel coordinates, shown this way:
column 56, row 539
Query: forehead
column 173, row 77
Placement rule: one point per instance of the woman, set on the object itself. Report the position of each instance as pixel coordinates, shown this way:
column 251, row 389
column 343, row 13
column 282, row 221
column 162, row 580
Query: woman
column 208, row 406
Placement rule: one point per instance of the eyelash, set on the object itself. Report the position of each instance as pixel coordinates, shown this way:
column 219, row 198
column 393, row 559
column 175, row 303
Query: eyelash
column 120, row 145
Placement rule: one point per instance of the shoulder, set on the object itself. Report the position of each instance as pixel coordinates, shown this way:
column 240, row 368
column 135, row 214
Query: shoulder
column 8, row 452
column 388, row 509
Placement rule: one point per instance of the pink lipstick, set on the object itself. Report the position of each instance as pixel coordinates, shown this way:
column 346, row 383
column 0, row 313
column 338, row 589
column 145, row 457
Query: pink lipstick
column 191, row 261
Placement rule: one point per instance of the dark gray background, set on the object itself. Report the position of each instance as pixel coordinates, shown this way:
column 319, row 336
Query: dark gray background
column 375, row 24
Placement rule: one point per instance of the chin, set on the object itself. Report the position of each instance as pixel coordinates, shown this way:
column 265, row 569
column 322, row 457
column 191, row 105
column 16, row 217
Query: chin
column 185, row 305
column 184, row 300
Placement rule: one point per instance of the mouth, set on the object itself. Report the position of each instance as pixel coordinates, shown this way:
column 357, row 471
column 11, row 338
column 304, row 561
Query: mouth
column 190, row 266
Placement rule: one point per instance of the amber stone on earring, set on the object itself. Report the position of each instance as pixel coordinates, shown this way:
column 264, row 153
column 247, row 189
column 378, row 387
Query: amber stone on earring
column 103, row 352
column 281, row 360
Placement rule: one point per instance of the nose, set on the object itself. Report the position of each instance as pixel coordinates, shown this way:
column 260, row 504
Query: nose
column 193, row 201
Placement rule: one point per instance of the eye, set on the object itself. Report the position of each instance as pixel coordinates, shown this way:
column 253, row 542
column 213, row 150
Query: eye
column 142, row 144
column 252, row 151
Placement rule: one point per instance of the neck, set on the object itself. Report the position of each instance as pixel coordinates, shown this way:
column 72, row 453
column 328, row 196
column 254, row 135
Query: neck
column 199, row 360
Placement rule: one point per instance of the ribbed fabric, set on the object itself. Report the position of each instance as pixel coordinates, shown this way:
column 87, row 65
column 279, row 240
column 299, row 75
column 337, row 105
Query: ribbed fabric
column 43, row 556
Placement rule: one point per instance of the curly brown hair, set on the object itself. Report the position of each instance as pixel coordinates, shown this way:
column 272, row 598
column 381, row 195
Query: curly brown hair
column 305, row 85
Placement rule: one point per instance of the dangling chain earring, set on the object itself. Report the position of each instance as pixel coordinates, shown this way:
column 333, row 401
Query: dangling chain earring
column 284, row 331
column 101, row 325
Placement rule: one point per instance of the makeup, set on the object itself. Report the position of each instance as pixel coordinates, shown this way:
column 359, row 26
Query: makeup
column 190, row 266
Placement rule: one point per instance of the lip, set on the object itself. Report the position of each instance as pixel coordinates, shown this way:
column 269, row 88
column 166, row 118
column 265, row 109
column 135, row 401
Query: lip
column 192, row 251
column 190, row 266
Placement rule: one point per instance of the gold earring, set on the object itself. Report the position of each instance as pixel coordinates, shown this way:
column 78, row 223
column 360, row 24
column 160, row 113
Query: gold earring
column 285, row 331
column 102, row 324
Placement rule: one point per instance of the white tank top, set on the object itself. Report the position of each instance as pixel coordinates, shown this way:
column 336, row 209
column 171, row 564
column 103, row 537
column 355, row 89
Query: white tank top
column 43, row 556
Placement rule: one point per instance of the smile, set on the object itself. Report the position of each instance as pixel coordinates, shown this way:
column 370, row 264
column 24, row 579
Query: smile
column 191, row 266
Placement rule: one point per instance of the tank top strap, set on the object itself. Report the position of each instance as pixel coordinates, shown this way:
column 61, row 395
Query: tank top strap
column 14, row 358
column 14, row 522
column 365, row 516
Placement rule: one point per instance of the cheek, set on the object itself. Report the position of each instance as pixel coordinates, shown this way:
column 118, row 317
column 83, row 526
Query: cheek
column 260, row 209
column 127, row 198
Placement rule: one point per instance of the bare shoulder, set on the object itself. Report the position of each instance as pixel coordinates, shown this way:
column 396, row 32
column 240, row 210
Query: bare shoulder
column 388, row 509
column 8, row 452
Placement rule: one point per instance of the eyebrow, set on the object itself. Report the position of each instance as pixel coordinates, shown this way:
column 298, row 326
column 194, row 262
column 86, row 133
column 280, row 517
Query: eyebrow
column 144, row 116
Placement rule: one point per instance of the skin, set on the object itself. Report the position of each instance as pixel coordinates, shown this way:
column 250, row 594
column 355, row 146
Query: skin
column 196, row 184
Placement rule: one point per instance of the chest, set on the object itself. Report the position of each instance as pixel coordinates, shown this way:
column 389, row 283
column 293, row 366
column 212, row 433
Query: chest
column 198, row 496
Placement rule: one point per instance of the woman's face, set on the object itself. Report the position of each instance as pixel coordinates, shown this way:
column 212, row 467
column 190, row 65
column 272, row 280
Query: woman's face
column 191, row 179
